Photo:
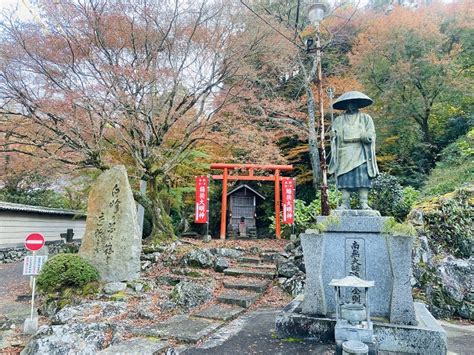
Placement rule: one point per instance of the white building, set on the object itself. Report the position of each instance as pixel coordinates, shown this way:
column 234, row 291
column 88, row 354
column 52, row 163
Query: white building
column 17, row 221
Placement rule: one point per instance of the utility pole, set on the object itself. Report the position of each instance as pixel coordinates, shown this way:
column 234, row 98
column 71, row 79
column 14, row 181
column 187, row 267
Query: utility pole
column 330, row 92
column 322, row 133
column 316, row 14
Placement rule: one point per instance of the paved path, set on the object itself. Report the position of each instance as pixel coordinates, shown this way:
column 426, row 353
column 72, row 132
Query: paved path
column 253, row 334
column 10, row 274
column 12, row 285
column 460, row 338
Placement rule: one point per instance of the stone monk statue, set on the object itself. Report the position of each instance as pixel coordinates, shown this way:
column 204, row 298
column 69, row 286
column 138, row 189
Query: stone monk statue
column 353, row 148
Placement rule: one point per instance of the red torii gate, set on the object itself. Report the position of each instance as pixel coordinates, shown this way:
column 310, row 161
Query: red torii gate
column 250, row 177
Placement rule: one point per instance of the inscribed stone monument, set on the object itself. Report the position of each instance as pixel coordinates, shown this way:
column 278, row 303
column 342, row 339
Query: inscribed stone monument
column 112, row 241
column 357, row 246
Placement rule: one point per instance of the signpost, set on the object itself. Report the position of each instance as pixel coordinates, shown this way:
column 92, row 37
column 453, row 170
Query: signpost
column 31, row 267
column 34, row 242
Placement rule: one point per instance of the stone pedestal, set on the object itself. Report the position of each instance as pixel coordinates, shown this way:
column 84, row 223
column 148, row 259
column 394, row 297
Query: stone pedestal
column 356, row 243
column 428, row 337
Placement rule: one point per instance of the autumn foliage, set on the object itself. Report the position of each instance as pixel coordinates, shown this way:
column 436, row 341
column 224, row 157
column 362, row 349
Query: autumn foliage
column 167, row 87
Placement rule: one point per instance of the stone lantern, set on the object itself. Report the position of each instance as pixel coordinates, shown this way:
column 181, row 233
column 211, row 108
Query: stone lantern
column 353, row 310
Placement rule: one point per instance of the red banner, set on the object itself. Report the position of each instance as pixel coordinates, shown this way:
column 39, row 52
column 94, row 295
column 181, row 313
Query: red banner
column 288, row 200
column 202, row 205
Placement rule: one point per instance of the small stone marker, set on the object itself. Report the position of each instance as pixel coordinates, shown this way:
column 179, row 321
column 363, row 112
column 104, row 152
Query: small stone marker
column 112, row 241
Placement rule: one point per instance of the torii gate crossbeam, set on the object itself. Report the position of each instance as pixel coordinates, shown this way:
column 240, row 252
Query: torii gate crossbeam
column 225, row 177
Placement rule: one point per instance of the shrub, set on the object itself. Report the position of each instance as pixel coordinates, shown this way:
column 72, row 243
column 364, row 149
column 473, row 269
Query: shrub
column 386, row 194
column 390, row 198
column 66, row 271
column 305, row 214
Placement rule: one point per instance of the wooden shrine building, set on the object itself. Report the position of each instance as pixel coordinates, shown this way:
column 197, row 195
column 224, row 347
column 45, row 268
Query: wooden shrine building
column 242, row 203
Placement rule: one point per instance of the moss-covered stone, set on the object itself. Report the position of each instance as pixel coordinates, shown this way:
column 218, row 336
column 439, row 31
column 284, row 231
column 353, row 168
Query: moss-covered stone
column 392, row 227
column 447, row 221
column 119, row 296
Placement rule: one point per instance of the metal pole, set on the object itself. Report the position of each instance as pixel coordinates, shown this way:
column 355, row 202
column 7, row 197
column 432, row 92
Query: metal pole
column 330, row 91
column 33, row 289
column 322, row 151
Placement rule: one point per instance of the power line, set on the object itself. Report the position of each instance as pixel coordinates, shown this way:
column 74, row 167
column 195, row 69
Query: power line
column 270, row 25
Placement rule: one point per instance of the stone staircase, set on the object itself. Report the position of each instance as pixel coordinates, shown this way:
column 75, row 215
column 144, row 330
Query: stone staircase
column 243, row 285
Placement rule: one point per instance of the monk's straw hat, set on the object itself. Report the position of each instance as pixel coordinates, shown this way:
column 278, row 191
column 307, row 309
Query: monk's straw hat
column 355, row 97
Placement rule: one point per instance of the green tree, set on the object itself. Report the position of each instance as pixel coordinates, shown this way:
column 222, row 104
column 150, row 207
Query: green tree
column 31, row 189
column 415, row 64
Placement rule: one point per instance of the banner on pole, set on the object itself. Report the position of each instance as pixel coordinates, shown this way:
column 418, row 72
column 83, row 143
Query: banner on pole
column 288, row 200
column 202, row 204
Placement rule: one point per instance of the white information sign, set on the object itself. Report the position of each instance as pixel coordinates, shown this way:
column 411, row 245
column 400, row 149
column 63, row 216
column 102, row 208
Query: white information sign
column 33, row 263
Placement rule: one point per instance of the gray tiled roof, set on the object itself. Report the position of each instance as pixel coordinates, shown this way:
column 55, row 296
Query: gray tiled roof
column 8, row 206
column 247, row 187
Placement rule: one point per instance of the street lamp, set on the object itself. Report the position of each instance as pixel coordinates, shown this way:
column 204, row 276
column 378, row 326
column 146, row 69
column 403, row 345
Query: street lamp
column 316, row 13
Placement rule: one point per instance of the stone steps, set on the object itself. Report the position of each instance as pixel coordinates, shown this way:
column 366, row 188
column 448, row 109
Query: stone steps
column 268, row 267
column 242, row 299
column 136, row 346
column 270, row 251
column 238, row 294
column 249, row 285
column 249, row 273
column 221, row 312
column 180, row 327
column 268, row 257
column 250, row 260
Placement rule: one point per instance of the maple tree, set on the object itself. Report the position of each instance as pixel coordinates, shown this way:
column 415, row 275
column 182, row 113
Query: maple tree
column 117, row 81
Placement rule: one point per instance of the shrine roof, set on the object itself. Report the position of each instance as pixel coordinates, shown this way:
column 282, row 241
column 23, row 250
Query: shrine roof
column 245, row 186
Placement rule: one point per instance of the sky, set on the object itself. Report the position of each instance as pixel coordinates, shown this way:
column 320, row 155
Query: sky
column 24, row 11
column 11, row 4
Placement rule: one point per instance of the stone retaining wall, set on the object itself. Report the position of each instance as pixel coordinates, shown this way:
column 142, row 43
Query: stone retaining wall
column 17, row 253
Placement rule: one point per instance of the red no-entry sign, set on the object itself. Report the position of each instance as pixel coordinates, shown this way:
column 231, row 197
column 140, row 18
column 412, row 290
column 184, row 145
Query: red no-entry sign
column 34, row 242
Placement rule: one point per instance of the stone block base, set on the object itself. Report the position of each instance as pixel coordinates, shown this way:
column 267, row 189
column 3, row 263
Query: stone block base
column 428, row 337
